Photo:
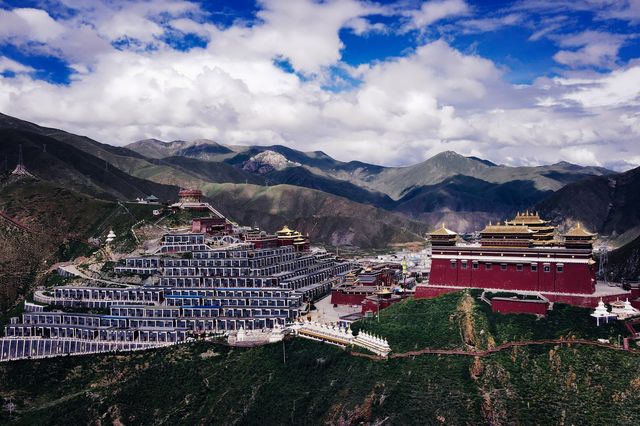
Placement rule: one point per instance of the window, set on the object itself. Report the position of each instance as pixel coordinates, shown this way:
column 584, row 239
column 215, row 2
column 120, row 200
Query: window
column 546, row 267
column 463, row 264
column 475, row 265
column 534, row 267
column 519, row 267
column 453, row 264
column 487, row 266
column 503, row 266
column 559, row 267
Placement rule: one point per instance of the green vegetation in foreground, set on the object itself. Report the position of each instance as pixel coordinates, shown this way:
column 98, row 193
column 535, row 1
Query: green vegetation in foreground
column 205, row 383
column 208, row 383
column 460, row 320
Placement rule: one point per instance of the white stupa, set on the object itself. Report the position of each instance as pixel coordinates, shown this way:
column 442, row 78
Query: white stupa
column 629, row 311
column 110, row 237
column 602, row 315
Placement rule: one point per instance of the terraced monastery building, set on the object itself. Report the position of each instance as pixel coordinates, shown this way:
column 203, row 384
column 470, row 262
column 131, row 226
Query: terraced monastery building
column 225, row 279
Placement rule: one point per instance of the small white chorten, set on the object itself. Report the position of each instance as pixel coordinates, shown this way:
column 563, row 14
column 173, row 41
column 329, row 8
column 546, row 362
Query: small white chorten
column 110, row 237
column 601, row 314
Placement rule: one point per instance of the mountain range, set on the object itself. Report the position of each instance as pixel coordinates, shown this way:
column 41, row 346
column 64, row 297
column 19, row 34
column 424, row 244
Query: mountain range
column 466, row 192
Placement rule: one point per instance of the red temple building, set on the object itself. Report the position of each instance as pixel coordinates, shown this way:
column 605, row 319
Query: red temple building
column 523, row 254
column 382, row 299
column 371, row 280
column 193, row 200
column 211, row 225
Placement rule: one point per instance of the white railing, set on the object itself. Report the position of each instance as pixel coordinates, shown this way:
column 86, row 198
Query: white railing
column 35, row 347
column 341, row 337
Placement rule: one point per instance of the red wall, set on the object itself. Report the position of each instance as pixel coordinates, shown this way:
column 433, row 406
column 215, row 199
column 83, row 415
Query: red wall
column 427, row 292
column 575, row 278
column 584, row 301
column 588, row 301
column 518, row 306
column 341, row 298
column 371, row 306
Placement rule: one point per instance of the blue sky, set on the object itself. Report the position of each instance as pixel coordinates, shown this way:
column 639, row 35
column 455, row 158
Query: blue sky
column 408, row 78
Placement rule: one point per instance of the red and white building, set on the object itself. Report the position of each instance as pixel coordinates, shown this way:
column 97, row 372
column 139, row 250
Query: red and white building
column 520, row 255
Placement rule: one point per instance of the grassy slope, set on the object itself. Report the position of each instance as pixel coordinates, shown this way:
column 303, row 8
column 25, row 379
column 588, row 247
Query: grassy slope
column 76, row 168
column 320, row 384
column 62, row 221
column 441, row 322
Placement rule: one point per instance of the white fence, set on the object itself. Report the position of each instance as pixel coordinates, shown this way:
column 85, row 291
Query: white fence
column 341, row 337
column 34, row 347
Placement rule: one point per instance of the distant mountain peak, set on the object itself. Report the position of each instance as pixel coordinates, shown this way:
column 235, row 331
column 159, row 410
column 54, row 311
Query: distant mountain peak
column 267, row 161
column 448, row 154
column 203, row 141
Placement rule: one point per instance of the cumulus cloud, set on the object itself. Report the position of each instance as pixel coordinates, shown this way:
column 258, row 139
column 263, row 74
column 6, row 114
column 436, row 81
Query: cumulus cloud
column 27, row 24
column 401, row 111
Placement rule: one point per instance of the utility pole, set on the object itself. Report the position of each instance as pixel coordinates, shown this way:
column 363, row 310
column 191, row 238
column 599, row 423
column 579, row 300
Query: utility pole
column 284, row 352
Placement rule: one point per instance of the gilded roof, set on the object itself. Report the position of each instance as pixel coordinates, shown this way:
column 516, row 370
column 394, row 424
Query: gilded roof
column 527, row 218
column 506, row 229
column 285, row 231
column 443, row 231
column 578, row 231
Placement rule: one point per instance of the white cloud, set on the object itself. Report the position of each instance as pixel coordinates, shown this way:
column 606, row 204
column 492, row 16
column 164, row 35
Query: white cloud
column 27, row 23
column 621, row 88
column 436, row 10
column 472, row 26
column 592, row 48
column 10, row 65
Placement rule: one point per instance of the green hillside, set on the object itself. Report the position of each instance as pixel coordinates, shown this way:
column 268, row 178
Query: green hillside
column 208, row 383
column 60, row 222
column 460, row 321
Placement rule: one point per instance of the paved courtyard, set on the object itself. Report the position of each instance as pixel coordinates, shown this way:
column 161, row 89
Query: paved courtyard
column 326, row 313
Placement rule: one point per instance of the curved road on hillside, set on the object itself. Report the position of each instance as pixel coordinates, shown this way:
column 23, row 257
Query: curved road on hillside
column 499, row 348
